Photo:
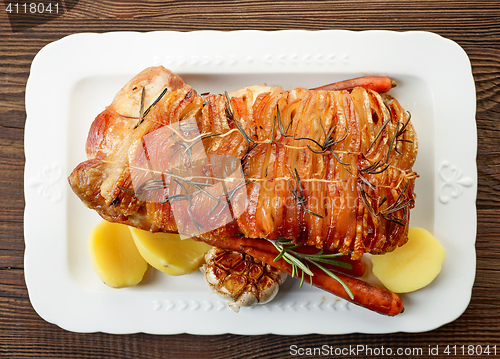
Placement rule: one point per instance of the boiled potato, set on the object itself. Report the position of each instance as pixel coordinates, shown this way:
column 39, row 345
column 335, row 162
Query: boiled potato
column 411, row 266
column 170, row 253
column 114, row 256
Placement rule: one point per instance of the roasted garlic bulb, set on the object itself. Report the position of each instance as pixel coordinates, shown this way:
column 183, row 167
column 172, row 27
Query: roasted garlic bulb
column 241, row 279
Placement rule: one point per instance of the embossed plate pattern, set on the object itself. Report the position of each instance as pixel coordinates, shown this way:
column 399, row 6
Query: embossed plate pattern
column 73, row 79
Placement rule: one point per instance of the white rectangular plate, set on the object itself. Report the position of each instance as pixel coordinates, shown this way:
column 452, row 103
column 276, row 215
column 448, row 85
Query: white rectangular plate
column 73, row 79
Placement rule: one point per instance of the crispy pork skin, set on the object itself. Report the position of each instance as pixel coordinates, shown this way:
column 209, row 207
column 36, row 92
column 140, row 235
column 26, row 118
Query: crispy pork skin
column 330, row 169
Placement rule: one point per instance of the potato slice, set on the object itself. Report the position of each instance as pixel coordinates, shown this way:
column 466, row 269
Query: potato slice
column 114, row 256
column 411, row 266
column 169, row 252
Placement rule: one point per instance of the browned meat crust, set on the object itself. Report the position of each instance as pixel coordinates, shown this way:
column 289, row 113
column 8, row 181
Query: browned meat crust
column 326, row 169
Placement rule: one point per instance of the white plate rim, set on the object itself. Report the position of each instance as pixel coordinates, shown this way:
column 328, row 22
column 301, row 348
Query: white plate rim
column 46, row 191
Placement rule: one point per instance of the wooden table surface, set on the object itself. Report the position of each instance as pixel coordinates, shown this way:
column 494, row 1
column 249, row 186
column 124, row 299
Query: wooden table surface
column 474, row 25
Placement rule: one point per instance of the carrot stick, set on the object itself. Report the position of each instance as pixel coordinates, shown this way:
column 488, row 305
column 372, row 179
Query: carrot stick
column 366, row 295
column 376, row 83
column 236, row 243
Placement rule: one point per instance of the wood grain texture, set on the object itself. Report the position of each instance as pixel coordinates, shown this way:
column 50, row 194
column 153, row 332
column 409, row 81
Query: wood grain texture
column 475, row 25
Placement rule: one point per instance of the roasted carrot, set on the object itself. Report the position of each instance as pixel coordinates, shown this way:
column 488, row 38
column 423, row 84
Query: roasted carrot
column 357, row 269
column 379, row 84
column 366, row 295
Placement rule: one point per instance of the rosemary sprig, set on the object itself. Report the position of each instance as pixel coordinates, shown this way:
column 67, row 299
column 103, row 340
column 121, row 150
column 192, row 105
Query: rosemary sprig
column 388, row 213
column 143, row 113
column 156, row 101
column 379, row 133
column 282, row 129
column 299, row 195
column 175, row 197
column 274, row 125
column 364, row 197
column 188, row 125
column 243, row 133
column 380, row 166
column 328, row 143
column 400, row 204
column 229, row 111
column 391, row 144
column 375, row 168
column 150, row 185
column 404, row 129
column 300, row 262
column 188, row 149
column 230, row 194
column 400, row 133
column 247, row 152
column 141, row 109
